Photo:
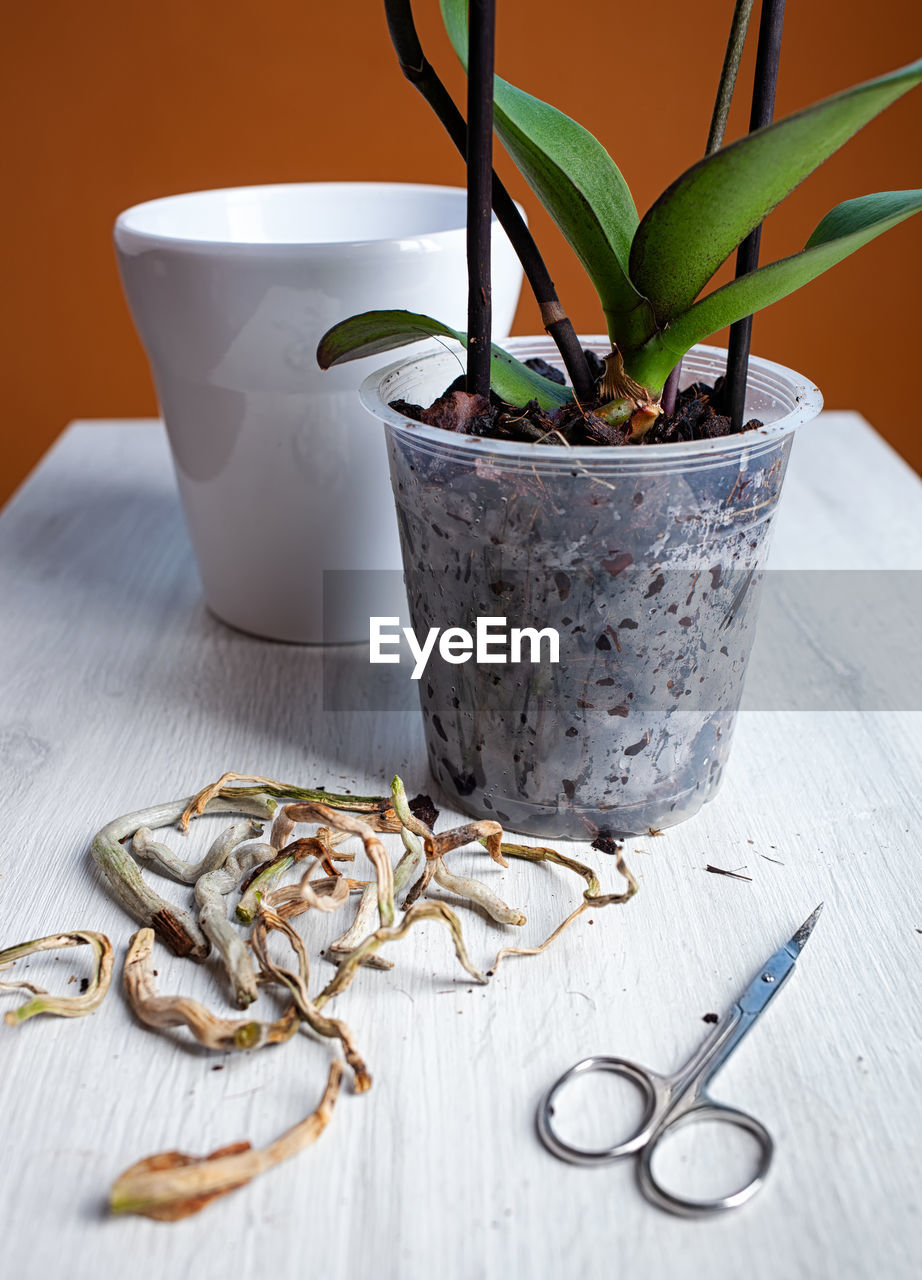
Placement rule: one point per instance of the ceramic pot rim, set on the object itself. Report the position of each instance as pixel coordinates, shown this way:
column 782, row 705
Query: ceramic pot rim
column 133, row 236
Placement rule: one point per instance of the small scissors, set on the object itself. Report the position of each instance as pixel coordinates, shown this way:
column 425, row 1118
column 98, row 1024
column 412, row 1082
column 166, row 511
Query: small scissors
column 681, row 1098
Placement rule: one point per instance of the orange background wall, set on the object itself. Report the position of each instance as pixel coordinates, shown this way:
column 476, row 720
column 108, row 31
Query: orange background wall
column 110, row 102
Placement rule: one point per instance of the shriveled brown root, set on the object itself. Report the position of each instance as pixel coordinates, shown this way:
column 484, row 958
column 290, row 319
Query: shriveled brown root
column 418, row 836
column 374, row 849
column 296, row 983
column 173, row 1185
column 62, row 1006
column 592, row 895
column 282, row 790
column 289, row 902
column 321, row 846
column 175, row 1011
column 490, row 834
column 349, row 966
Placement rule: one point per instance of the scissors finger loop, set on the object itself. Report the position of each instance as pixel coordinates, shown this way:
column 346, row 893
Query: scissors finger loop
column 639, row 1076
column 705, row 1111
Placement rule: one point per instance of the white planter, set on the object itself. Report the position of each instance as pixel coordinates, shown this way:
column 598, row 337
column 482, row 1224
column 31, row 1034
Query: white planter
column 281, row 474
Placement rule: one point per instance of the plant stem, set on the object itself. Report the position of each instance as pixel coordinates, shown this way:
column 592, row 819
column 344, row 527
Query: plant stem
column 481, row 45
column 768, row 54
column 739, row 27
column 420, row 73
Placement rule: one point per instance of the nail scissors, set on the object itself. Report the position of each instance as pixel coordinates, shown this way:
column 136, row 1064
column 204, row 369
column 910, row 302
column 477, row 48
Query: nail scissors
column 681, row 1098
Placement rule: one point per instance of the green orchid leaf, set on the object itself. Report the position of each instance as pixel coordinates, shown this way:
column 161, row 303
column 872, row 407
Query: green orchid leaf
column 846, row 228
column 374, row 332
column 578, row 183
column 698, row 221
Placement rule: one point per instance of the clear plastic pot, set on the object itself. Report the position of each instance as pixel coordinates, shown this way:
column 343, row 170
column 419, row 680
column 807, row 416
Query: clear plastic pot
column 646, row 561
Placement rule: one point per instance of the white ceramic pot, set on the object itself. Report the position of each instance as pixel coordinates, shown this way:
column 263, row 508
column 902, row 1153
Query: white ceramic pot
column 281, row 474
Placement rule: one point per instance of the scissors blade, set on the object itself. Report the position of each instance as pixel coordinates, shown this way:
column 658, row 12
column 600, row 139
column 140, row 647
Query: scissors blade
column 799, row 940
column 776, row 969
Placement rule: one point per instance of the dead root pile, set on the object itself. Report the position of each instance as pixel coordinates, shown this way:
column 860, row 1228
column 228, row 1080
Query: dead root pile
column 241, row 864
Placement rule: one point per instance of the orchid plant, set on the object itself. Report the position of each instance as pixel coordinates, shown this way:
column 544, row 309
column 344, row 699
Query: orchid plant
column 649, row 273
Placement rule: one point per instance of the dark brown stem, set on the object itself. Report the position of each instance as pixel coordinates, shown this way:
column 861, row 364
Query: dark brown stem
column 420, row 73
column 739, row 26
column 481, row 50
column 671, row 389
column 768, row 55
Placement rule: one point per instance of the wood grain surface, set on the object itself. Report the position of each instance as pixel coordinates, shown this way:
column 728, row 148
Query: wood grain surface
column 118, row 690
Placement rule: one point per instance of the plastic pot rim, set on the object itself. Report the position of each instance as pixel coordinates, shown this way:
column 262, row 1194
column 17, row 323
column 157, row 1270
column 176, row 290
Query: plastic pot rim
column 804, row 402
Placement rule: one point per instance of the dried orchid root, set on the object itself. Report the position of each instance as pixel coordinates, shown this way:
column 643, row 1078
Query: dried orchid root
column 414, row 831
column 271, row 867
column 174, row 1011
column 174, row 926
column 349, row 966
column 374, row 849
column 210, row 892
column 21, row 986
column 333, row 1028
column 364, row 921
column 172, row 1185
column 422, row 884
column 489, row 833
column 541, row 946
column 592, row 895
column 281, row 790
column 308, row 895
column 62, row 1006
column 290, row 901
column 163, row 859
column 278, row 861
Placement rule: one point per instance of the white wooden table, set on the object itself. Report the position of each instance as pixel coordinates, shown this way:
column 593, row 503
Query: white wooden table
column 118, row 690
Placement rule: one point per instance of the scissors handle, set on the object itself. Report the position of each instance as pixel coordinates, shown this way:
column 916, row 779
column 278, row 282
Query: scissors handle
column 706, row 1111
column 667, row 1106
column 653, row 1087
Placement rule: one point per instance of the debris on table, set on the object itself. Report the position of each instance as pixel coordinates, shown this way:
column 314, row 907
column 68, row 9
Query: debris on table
column 721, row 871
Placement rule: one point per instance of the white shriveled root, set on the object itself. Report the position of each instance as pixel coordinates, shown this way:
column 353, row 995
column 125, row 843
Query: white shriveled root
column 162, row 858
column 173, row 926
column 172, row 1185
column 592, row 895
column 174, row 1011
column 20, row 986
column 61, row 1006
column 435, row 847
column 296, row 984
